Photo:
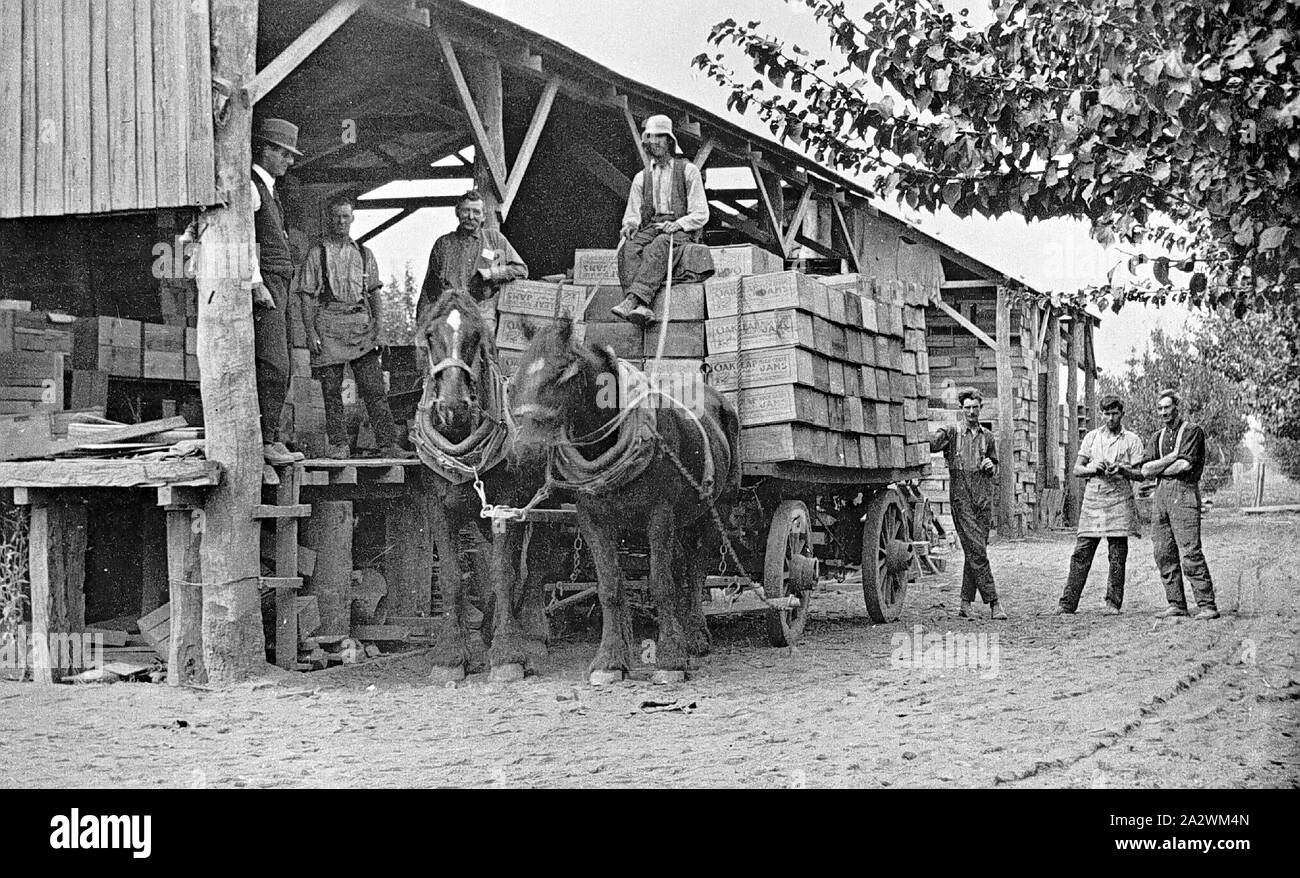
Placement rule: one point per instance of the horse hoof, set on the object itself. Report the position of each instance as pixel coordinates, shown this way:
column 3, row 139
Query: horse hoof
column 605, row 677
column 444, row 674
column 511, row 673
column 662, row 677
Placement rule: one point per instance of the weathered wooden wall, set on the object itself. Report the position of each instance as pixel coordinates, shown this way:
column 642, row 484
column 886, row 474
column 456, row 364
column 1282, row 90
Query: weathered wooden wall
column 105, row 105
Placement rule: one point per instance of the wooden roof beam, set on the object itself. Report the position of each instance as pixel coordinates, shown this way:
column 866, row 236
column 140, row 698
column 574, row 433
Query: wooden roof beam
column 307, row 42
column 525, row 154
column 483, row 149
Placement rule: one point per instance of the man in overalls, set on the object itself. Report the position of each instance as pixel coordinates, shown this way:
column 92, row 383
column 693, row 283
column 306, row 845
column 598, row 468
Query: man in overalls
column 1175, row 457
column 972, row 461
column 338, row 285
column 472, row 258
column 668, row 204
column 1110, row 458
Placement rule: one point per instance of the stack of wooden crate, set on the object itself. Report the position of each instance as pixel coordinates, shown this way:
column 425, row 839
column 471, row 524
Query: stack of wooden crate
column 31, row 381
column 823, row 370
column 109, row 344
column 35, row 332
column 532, row 303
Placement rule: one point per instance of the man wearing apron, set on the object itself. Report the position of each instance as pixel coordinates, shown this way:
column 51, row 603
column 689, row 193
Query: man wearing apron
column 472, row 258
column 972, row 465
column 1175, row 457
column 1110, row 457
column 338, row 284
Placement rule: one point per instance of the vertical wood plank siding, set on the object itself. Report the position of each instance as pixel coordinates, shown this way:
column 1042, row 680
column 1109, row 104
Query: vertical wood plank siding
column 105, row 105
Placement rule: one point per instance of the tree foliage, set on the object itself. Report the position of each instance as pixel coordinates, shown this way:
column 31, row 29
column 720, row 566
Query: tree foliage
column 1286, row 454
column 397, row 300
column 1261, row 353
column 1209, row 397
column 1165, row 121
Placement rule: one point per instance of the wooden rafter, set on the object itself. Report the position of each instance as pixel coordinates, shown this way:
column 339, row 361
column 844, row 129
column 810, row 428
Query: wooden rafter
column 307, row 42
column 387, row 224
column 746, row 223
column 414, row 202
column 526, row 149
column 970, row 327
column 483, row 149
column 702, row 154
column 602, row 170
column 635, row 133
column 838, row 213
column 774, row 222
column 793, row 229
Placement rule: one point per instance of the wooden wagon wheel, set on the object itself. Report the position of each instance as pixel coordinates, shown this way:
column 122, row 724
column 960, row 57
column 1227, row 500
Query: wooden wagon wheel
column 789, row 569
column 886, row 555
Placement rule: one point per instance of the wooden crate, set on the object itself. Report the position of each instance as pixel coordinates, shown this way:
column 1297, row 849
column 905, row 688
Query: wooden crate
column 744, row 259
column 788, row 365
column 687, row 303
column 540, row 299
column 593, row 267
column 34, row 332
column 765, row 329
column 627, row 341
column 769, row 292
column 31, row 382
column 775, row 443
column 779, row 404
column 109, row 344
column 510, row 329
column 164, row 352
column 685, row 339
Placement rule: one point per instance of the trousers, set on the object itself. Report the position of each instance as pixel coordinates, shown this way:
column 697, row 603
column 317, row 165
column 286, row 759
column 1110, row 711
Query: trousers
column 369, row 375
column 1176, row 538
column 271, row 354
column 972, row 514
column 1081, row 562
column 643, row 262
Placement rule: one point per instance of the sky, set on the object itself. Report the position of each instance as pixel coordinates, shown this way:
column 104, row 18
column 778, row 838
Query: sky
column 1049, row 255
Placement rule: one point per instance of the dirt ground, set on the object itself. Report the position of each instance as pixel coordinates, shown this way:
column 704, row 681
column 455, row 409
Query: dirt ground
column 1083, row 701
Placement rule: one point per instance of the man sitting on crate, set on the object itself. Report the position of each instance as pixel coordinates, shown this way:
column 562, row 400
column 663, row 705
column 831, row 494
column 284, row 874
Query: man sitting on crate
column 338, row 285
column 972, row 464
column 668, row 205
column 470, row 258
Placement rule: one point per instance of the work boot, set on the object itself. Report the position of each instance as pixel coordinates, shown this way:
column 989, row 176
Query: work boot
column 633, row 310
column 277, row 455
column 1206, row 614
column 966, row 612
column 1059, row 610
column 1109, row 609
column 997, row 611
column 336, row 452
column 1171, row 612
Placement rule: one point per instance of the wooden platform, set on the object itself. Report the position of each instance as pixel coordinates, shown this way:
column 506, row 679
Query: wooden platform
column 320, row 472
column 165, row 475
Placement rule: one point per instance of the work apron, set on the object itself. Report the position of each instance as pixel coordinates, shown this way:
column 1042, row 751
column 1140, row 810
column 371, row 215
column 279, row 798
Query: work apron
column 346, row 333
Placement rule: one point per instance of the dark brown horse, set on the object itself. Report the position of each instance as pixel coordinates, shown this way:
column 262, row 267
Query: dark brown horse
column 637, row 464
column 461, row 434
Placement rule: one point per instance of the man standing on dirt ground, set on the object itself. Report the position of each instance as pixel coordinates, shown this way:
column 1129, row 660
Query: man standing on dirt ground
column 472, row 258
column 1175, row 457
column 972, row 465
column 1110, row 457
column 338, row 286
column 275, row 144
column 666, row 203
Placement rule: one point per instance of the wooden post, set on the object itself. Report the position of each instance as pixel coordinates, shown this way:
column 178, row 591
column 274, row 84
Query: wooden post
column 1259, row 483
column 1007, row 520
column 234, row 647
column 57, row 569
column 408, row 563
column 1073, row 349
column 1052, row 463
column 1089, row 376
column 483, row 74
column 153, row 562
column 286, row 565
column 185, row 647
column 329, row 532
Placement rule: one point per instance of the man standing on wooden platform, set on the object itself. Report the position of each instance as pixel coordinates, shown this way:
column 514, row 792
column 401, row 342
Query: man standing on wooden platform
column 275, row 145
column 972, row 461
column 338, row 285
column 1175, row 457
column 1110, row 458
column 668, row 205
column 472, row 258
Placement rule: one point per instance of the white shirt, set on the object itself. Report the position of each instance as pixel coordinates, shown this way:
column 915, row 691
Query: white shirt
column 661, row 190
column 269, row 181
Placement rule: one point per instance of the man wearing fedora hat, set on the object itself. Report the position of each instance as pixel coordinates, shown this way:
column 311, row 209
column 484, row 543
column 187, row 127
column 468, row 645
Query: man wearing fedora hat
column 275, row 145
column 667, row 204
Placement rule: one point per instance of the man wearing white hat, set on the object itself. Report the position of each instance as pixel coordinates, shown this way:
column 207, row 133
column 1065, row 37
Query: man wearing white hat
column 275, row 145
column 668, row 205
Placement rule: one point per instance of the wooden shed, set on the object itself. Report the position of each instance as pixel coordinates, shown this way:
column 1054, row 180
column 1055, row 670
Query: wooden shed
column 125, row 141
